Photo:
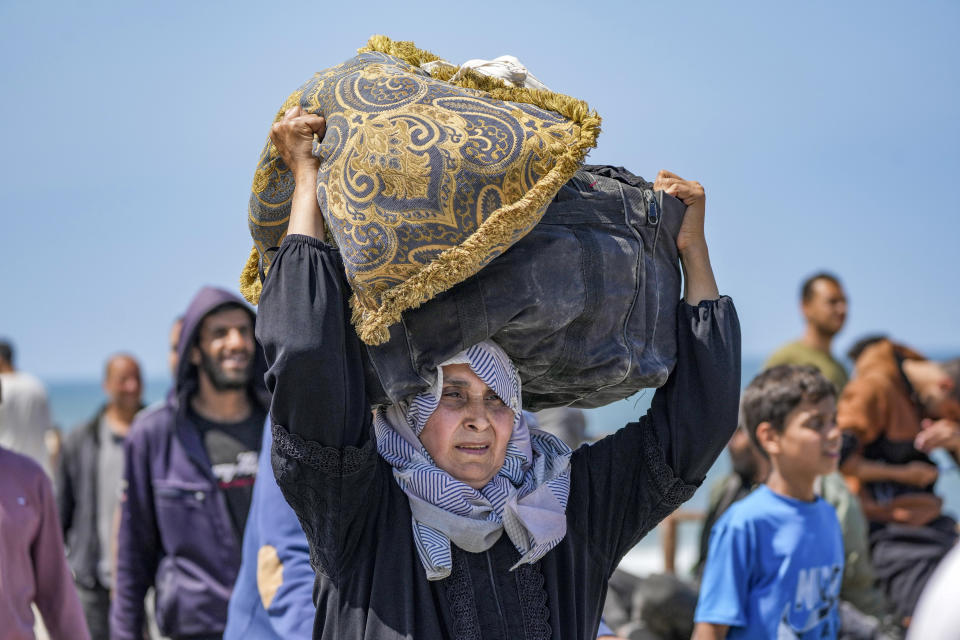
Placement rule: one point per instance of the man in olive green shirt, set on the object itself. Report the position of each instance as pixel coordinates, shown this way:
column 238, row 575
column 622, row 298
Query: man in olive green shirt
column 824, row 307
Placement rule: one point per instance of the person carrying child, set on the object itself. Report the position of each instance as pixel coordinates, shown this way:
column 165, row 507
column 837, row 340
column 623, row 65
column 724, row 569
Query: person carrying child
column 775, row 564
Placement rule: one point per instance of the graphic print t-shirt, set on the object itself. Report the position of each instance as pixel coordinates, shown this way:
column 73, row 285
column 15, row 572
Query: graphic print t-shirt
column 774, row 569
column 233, row 449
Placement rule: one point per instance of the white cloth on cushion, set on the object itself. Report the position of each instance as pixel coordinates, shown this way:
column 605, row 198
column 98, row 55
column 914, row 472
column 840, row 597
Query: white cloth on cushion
column 507, row 68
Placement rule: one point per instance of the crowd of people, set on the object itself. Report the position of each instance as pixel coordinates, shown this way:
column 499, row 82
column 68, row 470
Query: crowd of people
column 878, row 480
column 866, row 451
column 265, row 498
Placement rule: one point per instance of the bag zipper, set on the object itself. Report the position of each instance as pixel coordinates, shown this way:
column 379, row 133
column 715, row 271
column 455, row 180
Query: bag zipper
column 654, row 205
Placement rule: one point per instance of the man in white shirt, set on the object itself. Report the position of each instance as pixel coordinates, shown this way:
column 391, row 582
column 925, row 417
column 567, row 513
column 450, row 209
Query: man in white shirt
column 24, row 414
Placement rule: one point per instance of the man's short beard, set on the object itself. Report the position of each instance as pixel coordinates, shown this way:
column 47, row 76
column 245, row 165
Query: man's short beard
column 220, row 380
column 827, row 330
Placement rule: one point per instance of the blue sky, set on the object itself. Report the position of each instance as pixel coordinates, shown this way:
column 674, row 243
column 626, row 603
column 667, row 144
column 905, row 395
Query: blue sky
column 826, row 134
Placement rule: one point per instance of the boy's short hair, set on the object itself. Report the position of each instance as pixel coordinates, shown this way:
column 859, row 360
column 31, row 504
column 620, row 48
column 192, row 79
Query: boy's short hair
column 774, row 393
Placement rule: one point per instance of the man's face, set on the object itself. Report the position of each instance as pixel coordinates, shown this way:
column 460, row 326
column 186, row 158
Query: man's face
column 809, row 445
column 937, row 393
column 468, row 433
column 122, row 384
column 225, row 349
column 826, row 310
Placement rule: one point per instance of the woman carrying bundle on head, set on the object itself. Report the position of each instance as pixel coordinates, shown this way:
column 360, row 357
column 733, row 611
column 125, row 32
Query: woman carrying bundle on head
column 446, row 515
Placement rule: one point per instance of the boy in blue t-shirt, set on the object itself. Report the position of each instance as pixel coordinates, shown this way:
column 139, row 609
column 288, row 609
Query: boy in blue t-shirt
column 775, row 562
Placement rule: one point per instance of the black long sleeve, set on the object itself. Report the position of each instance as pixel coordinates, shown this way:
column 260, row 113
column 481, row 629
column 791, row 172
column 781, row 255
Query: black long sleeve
column 696, row 412
column 315, row 369
column 323, row 454
column 626, row 483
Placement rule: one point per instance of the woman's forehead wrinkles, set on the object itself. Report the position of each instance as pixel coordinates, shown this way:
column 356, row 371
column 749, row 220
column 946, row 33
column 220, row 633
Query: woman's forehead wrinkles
column 464, row 383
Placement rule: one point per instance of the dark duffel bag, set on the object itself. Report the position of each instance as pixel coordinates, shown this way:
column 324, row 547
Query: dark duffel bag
column 585, row 304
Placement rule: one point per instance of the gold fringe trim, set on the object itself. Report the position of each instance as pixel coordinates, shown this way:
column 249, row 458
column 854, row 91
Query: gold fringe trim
column 570, row 108
column 403, row 49
column 456, row 264
column 250, row 278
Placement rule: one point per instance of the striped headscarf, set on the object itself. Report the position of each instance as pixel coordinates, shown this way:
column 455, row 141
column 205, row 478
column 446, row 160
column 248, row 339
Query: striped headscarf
column 527, row 498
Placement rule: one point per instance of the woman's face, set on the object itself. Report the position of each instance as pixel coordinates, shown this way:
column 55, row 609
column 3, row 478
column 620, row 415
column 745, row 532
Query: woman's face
column 468, row 433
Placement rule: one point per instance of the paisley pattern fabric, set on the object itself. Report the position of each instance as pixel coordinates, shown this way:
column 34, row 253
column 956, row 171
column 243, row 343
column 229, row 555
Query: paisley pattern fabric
column 422, row 182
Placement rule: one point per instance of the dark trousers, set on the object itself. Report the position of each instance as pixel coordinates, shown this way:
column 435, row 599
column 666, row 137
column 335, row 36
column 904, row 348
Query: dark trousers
column 905, row 557
column 96, row 609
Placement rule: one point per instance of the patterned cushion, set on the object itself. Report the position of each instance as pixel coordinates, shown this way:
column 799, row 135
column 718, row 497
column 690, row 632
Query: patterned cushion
column 423, row 179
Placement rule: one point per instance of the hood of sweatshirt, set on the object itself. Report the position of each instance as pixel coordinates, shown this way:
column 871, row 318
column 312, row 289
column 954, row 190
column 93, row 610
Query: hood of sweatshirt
column 209, row 300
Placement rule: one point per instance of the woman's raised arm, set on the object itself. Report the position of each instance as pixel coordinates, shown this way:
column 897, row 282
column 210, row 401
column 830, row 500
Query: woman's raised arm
column 293, row 137
column 322, row 449
column 699, row 283
column 316, row 371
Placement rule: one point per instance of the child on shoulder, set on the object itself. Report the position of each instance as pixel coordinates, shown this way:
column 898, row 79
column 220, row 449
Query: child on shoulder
column 775, row 562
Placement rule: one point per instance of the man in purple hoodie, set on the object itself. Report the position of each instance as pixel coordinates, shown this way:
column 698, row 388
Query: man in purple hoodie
column 190, row 467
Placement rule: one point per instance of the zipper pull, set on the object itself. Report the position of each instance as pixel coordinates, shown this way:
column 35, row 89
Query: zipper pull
column 653, row 206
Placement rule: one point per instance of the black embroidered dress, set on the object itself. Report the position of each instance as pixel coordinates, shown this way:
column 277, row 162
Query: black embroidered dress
column 370, row 583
